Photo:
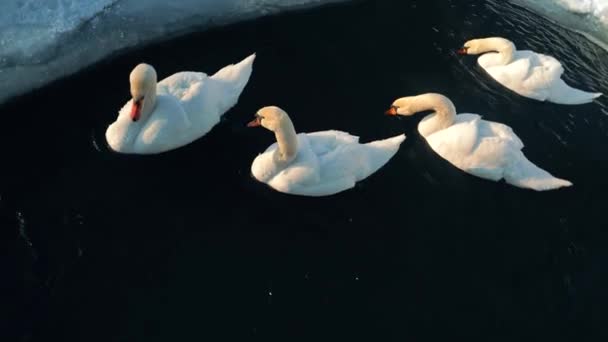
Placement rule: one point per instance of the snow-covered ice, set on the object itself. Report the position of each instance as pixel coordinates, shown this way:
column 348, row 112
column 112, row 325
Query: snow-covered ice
column 41, row 41
column 589, row 17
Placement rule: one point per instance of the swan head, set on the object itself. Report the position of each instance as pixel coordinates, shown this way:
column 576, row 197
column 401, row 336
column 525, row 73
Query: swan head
column 411, row 105
column 272, row 118
column 143, row 86
column 491, row 44
column 276, row 120
column 471, row 47
column 402, row 106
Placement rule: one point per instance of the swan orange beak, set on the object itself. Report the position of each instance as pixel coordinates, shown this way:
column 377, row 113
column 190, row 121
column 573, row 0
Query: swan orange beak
column 255, row 122
column 135, row 110
column 392, row 111
column 462, row 51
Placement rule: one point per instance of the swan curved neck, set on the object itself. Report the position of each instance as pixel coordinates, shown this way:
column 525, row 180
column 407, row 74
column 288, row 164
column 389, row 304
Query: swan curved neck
column 287, row 139
column 149, row 103
column 443, row 116
column 505, row 48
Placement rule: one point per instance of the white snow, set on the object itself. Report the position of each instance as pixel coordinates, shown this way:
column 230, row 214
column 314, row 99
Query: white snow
column 589, row 17
column 597, row 8
column 42, row 40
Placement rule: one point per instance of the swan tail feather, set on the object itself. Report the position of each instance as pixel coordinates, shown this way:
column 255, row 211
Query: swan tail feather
column 379, row 153
column 390, row 145
column 237, row 74
column 232, row 80
column 523, row 173
column 562, row 93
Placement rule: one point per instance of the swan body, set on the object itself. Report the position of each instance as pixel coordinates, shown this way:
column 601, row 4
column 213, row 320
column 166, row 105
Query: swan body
column 316, row 164
column 525, row 72
column 485, row 149
column 177, row 110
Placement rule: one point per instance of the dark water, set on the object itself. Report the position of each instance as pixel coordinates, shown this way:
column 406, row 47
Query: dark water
column 186, row 246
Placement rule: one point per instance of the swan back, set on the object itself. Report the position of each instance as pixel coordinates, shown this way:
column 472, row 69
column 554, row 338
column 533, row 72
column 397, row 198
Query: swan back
column 327, row 162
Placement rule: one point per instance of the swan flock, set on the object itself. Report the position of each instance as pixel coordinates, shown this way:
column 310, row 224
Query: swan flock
column 165, row 115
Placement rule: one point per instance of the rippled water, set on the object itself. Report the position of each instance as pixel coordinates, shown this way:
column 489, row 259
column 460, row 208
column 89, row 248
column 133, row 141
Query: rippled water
column 187, row 246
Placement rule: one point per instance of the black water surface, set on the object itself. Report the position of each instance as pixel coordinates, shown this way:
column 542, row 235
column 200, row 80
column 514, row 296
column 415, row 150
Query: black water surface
column 187, row 246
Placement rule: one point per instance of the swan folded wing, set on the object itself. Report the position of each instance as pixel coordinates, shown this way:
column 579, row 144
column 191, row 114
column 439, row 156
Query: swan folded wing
column 203, row 98
column 473, row 147
column 326, row 141
column 551, row 65
column 345, row 161
column 179, row 84
column 358, row 161
column 491, row 128
column 263, row 167
column 120, row 135
column 490, row 158
column 340, row 158
column 544, row 72
column 153, row 136
column 159, row 136
column 303, row 171
column 457, row 140
column 299, row 174
column 165, row 129
column 511, row 75
column 192, row 99
column 202, row 105
column 192, row 91
column 334, row 135
column 218, row 96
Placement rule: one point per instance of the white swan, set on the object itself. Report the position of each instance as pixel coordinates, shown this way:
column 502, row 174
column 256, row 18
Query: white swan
column 482, row 148
column 527, row 73
column 316, row 164
column 178, row 110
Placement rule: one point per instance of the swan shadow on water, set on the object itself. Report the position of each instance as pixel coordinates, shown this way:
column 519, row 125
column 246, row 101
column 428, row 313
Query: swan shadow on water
column 456, row 200
column 440, row 173
column 98, row 140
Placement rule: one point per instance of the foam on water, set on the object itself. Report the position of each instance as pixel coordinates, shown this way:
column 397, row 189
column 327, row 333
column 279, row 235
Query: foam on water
column 41, row 41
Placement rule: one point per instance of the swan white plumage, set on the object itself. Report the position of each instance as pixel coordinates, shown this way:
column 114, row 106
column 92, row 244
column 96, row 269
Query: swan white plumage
column 316, row 164
column 178, row 110
column 482, row 148
column 525, row 72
